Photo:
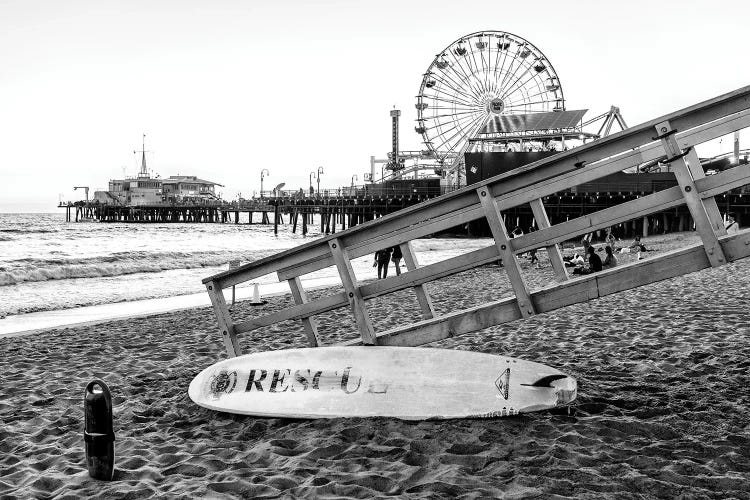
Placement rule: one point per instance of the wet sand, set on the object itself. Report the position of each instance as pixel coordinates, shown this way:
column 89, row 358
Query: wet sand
column 662, row 412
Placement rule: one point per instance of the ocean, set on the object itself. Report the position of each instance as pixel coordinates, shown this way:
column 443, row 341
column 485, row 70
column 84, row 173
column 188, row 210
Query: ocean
column 49, row 266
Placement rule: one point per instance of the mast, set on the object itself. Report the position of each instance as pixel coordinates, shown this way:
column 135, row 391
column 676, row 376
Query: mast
column 143, row 174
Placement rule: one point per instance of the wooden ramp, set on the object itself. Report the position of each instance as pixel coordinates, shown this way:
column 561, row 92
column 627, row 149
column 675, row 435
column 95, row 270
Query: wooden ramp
column 671, row 137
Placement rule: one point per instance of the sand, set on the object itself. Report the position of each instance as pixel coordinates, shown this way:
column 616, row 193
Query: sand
column 662, row 412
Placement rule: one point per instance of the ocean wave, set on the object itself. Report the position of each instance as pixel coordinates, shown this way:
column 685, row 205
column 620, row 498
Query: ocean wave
column 117, row 264
column 27, row 230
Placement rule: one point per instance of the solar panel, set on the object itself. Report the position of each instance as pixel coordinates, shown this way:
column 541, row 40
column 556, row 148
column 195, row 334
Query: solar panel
column 500, row 124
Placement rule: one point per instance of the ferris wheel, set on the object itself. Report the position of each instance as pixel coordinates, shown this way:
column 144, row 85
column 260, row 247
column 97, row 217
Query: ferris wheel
column 475, row 78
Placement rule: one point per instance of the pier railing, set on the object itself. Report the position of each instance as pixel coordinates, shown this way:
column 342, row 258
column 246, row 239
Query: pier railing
column 671, row 138
column 358, row 191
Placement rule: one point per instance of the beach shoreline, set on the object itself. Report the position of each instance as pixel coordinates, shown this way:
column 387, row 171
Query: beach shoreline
column 661, row 413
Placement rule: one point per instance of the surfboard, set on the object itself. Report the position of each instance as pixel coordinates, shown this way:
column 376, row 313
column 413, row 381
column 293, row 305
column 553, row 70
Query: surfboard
column 410, row 383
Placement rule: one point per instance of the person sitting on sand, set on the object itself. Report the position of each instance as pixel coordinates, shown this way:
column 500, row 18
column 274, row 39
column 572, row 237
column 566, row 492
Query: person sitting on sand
column 610, row 260
column 731, row 226
column 396, row 257
column 586, row 247
column 595, row 264
column 382, row 257
column 637, row 246
column 574, row 261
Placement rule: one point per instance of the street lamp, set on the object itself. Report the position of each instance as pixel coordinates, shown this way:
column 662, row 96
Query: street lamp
column 312, row 174
column 261, row 180
column 320, row 171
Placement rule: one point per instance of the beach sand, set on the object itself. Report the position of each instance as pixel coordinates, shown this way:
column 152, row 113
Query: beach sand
column 662, row 411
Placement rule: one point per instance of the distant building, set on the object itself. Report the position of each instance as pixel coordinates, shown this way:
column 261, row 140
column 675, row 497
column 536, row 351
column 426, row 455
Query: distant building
column 145, row 190
column 148, row 191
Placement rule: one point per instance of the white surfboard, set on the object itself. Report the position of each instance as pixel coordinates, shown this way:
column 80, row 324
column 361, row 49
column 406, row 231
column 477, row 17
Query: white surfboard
column 410, row 383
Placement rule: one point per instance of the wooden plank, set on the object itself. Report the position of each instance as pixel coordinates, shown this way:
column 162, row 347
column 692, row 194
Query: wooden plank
column 510, row 262
column 450, row 325
column 712, row 209
column 553, row 251
column 736, row 246
column 577, row 290
column 299, row 311
column 228, row 333
column 349, row 280
column 423, row 297
column 732, row 106
column 732, row 178
column 300, row 297
column 703, row 221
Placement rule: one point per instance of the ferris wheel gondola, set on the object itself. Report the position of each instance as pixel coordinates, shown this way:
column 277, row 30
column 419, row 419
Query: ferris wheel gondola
column 476, row 77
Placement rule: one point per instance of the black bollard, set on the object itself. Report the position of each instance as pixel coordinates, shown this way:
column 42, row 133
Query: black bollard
column 98, row 433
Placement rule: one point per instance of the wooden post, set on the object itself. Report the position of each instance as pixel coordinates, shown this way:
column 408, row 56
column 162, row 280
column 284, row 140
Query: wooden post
column 276, row 219
column 495, row 220
column 644, row 228
column 712, row 209
column 300, row 297
column 553, row 251
column 304, row 223
column 425, row 302
column 229, row 336
column 705, row 214
column 349, row 280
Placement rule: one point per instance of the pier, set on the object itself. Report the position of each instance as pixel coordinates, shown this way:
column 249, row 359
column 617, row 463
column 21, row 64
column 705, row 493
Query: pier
column 337, row 210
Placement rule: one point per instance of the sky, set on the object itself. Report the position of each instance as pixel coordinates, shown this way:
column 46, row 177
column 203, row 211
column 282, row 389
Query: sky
column 225, row 88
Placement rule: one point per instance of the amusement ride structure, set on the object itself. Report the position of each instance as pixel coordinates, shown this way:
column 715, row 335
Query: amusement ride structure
column 489, row 91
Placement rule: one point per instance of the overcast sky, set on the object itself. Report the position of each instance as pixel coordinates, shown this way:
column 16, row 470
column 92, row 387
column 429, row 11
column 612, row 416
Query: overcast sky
column 224, row 88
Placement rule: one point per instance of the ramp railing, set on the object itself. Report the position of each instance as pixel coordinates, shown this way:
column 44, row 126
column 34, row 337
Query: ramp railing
column 671, row 137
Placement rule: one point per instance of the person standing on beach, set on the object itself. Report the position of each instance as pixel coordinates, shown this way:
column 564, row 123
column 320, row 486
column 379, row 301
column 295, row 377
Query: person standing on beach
column 381, row 260
column 532, row 253
column 731, row 226
column 396, row 257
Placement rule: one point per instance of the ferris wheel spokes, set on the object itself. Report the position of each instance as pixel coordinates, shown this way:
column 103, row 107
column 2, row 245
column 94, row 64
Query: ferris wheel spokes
column 476, row 78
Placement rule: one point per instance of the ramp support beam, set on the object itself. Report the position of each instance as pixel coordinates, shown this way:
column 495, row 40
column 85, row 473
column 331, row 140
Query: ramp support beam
column 349, row 280
column 425, row 302
column 705, row 214
column 502, row 241
column 300, row 297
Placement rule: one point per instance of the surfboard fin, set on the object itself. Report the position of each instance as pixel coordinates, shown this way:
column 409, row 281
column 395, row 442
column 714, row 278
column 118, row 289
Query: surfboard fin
column 547, row 380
